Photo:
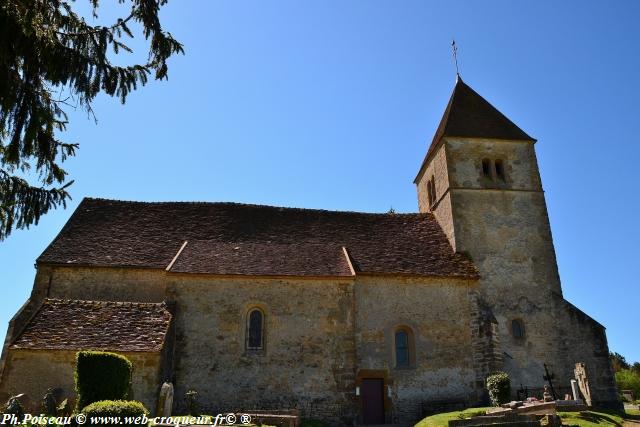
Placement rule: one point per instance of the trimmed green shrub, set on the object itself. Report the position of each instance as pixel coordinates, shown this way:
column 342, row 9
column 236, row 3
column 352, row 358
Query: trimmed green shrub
column 115, row 408
column 101, row 376
column 499, row 388
column 312, row 423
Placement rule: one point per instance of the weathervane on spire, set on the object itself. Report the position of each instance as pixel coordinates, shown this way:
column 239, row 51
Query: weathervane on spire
column 454, row 48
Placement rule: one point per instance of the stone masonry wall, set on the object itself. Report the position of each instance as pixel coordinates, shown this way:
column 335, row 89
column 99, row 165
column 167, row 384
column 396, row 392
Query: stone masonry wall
column 504, row 227
column 19, row 320
column 85, row 283
column 108, row 284
column 309, row 356
column 438, row 169
column 487, row 351
column 465, row 155
column 34, row 371
column 437, row 312
column 310, row 361
column 582, row 339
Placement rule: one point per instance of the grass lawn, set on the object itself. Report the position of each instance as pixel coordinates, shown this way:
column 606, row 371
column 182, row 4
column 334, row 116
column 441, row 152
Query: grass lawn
column 440, row 420
column 577, row 419
column 590, row 419
column 635, row 413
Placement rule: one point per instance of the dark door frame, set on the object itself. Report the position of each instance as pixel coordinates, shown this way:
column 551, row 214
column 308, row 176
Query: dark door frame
column 372, row 394
column 386, row 383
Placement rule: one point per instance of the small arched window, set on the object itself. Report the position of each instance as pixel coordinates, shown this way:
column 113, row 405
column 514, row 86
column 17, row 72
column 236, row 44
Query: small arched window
column 404, row 351
column 255, row 330
column 517, row 328
column 500, row 170
column 486, row 168
column 402, row 348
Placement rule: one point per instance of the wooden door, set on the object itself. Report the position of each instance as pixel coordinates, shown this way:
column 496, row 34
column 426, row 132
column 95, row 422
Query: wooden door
column 372, row 401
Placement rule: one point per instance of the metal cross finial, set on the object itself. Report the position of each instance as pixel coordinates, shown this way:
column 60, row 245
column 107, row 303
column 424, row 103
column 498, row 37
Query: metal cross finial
column 455, row 56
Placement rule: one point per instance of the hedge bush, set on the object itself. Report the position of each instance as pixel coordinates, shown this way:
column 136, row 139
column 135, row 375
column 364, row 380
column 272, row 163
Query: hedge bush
column 101, row 376
column 499, row 387
column 115, row 408
column 628, row 379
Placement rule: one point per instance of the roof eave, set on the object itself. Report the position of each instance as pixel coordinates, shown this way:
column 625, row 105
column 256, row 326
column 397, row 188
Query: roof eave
column 75, row 348
column 275, row 276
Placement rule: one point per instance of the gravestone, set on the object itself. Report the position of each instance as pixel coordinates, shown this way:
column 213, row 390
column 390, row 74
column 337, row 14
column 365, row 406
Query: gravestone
column 574, row 390
column 165, row 400
column 583, row 382
column 629, row 395
column 49, row 404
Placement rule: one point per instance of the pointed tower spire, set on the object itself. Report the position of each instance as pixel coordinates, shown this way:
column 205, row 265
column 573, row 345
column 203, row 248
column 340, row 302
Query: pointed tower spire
column 469, row 115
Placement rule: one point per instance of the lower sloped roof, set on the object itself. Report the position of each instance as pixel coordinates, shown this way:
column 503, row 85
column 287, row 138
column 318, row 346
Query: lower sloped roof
column 96, row 325
column 231, row 238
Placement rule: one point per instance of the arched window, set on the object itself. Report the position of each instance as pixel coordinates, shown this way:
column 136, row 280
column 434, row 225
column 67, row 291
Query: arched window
column 500, row 170
column 486, row 168
column 517, row 328
column 402, row 349
column 255, row 330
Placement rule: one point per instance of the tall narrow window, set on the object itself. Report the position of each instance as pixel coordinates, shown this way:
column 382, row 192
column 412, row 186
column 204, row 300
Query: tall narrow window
column 402, row 349
column 500, row 170
column 431, row 190
column 255, row 330
column 486, row 168
column 517, row 328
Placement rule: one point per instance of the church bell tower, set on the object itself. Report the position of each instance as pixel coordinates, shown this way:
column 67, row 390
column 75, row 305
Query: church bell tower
column 481, row 182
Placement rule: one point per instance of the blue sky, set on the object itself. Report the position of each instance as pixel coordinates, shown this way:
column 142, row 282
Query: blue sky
column 332, row 104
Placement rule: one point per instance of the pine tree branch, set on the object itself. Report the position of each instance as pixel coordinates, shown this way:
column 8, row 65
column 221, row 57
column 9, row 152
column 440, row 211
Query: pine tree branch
column 95, row 30
column 22, row 204
column 45, row 50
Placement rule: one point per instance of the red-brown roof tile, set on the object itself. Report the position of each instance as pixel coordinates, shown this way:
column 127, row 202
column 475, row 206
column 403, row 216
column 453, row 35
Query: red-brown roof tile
column 270, row 240
column 96, row 325
column 295, row 259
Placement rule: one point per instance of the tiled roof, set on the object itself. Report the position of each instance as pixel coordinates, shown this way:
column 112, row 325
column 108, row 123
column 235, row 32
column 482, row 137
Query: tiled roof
column 469, row 115
column 230, row 238
column 96, row 325
column 297, row 259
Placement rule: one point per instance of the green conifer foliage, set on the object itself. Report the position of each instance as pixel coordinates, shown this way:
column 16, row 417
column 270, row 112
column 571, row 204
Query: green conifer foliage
column 52, row 59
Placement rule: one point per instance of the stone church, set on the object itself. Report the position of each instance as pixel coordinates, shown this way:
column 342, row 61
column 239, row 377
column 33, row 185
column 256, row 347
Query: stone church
column 348, row 317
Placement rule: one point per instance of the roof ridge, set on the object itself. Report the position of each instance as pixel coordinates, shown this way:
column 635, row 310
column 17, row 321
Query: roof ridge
column 250, row 205
column 265, row 242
